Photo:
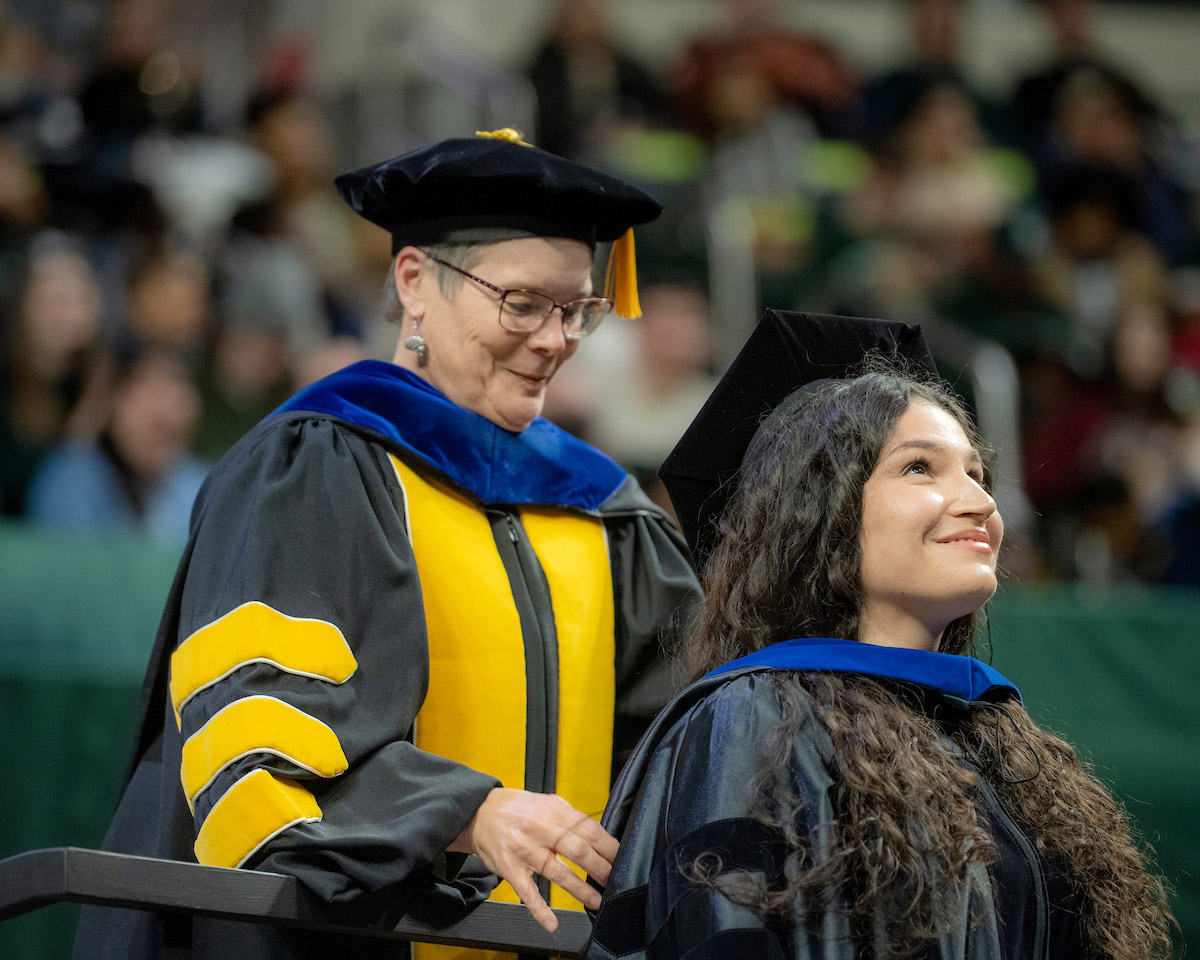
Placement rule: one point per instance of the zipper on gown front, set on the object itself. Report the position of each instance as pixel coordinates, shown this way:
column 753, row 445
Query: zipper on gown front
column 531, row 594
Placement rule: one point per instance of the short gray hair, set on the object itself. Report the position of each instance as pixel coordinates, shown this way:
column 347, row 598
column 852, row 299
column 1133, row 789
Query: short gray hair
column 462, row 255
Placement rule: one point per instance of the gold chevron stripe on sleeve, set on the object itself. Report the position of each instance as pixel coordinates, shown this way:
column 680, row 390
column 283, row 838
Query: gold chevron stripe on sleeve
column 257, row 633
column 258, row 725
column 258, row 807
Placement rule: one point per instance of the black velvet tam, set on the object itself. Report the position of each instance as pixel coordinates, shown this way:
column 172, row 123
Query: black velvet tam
column 785, row 352
column 481, row 189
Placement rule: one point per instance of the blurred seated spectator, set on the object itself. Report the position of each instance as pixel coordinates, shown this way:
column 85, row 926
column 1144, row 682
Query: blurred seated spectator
column 50, row 357
column 943, row 183
column 246, row 376
column 759, row 151
column 924, row 223
column 302, row 217
column 1142, row 443
column 587, row 88
column 139, row 84
column 1098, row 264
column 139, row 90
column 265, row 281
column 1036, row 94
column 935, row 59
column 760, row 95
column 1096, row 123
column 1105, row 458
column 168, row 302
column 250, row 372
column 651, row 395
column 801, row 70
column 137, row 475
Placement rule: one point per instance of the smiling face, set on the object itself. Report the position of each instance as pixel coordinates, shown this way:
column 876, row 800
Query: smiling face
column 930, row 532
column 471, row 358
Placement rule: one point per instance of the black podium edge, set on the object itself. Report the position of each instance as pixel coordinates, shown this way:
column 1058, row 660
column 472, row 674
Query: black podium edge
column 38, row 878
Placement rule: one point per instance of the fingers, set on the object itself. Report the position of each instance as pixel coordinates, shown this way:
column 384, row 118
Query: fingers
column 561, row 875
column 590, row 852
column 528, row 892
column 517, row 833
column 604, row 842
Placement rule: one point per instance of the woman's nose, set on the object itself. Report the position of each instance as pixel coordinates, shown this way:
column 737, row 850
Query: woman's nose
column 549, row 338
column 974, row 500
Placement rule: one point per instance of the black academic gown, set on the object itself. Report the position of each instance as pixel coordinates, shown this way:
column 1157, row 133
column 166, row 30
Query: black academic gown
column 684, row 793
column 283, row 713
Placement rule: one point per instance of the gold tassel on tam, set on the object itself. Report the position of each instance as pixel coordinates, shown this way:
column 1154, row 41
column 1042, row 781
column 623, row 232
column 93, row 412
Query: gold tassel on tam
column 510, row 134
column 620, row 283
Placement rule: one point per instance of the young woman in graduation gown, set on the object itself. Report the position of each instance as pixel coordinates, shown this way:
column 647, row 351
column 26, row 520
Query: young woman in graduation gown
column 842, row 780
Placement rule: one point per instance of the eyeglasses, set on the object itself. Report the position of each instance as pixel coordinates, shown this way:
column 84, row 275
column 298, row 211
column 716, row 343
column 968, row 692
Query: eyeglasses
column 523, row 311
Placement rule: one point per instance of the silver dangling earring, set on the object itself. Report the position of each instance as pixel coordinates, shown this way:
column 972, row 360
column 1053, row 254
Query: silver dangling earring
column 416, row 343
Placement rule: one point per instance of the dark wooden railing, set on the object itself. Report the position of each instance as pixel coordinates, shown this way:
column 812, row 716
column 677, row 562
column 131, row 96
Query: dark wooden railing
column 180, row 891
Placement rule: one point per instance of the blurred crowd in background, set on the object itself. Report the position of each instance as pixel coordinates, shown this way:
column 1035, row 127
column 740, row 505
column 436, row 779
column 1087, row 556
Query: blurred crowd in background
column 167, row 276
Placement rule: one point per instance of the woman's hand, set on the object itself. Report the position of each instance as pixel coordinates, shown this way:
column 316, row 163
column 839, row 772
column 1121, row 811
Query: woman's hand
column 518, row 833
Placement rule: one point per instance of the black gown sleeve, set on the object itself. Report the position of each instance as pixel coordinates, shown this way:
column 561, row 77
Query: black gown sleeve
column 689, row 801
column 656, row 592
column 305, row 530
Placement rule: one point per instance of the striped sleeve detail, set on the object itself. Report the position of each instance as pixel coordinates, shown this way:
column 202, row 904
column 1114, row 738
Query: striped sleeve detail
column 258, row 725
column 258, row 807
column 257, row 633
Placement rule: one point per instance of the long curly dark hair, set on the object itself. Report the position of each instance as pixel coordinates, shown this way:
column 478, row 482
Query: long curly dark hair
column 787, row 564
